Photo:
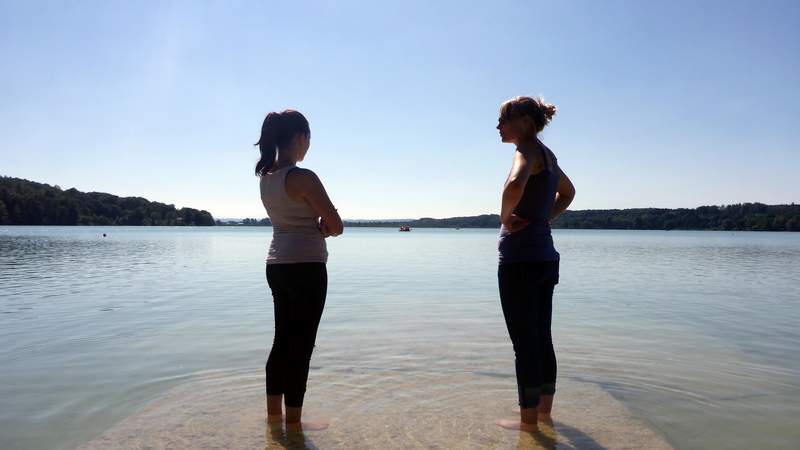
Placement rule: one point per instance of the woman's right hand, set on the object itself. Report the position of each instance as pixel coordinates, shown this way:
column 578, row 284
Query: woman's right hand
column 516, row 223
column 323, row 228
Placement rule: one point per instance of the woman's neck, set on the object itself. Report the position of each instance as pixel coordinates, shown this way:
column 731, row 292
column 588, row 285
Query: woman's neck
column 529, row 145
column 284, row 160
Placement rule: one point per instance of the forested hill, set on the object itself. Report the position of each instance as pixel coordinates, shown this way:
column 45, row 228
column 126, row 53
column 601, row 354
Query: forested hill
column 741, row 217
column 24, row 202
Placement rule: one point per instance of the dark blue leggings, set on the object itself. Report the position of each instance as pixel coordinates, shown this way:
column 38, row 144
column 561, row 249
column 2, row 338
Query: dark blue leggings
column 526, row 295
column 298, row 292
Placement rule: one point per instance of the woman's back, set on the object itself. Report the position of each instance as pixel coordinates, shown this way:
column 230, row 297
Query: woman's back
column 296, row 236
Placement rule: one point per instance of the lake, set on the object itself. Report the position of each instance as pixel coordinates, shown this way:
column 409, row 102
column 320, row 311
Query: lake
column 692, row 334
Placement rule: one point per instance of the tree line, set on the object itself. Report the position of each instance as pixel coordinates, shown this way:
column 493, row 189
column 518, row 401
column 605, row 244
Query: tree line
column 24, row 202
column 246, row 222
column 739, row 217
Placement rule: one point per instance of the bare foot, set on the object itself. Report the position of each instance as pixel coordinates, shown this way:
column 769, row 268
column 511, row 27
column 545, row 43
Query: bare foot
column 546, row 422
column 517, row 425
column 306, row 426
column 275, row 418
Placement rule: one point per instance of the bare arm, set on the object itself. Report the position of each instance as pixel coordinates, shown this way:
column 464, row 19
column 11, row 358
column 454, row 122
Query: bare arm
column 303, row 184
column 565, row 193
column 514, row 188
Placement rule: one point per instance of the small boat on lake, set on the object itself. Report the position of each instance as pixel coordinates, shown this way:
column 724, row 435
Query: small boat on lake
column 405, row 228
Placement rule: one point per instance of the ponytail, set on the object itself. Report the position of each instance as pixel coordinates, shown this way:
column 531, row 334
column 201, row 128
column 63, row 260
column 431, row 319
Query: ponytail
column 268, row 143
column 277, row 131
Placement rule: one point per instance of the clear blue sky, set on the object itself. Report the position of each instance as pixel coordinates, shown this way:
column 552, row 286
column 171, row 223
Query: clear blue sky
column 677, row 104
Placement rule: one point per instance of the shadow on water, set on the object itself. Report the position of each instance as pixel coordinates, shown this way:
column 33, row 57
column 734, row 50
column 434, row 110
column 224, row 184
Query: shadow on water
column 279, row 439
column 547, row 438
column 577, row 438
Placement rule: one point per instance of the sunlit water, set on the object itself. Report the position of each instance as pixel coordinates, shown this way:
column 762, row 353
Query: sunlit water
column 695, row 332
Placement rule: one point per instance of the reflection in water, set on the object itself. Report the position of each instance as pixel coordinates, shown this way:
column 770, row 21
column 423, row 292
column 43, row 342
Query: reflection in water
column 552, row 435
column 278, row 438
column 544, row 438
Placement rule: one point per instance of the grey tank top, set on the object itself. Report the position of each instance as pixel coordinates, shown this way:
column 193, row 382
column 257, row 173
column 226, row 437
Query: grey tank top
column 295, row 235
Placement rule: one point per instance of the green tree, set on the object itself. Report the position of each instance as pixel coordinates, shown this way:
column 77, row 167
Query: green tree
column 30, row 203
column 4, row 218
column 793, row 224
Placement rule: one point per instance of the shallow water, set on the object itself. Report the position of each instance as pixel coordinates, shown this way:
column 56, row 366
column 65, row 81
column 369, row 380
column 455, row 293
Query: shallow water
column 385, row 409
column 695, row 332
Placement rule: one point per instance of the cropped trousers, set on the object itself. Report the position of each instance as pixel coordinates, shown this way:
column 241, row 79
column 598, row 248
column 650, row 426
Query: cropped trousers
column 526, row 296
column 298, row 292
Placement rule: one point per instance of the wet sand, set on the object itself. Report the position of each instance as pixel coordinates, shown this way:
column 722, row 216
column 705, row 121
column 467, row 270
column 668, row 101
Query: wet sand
column 378, row 409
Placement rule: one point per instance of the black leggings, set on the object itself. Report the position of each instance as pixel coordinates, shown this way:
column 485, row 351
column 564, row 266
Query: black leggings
column 526, row 295
column 298, row 292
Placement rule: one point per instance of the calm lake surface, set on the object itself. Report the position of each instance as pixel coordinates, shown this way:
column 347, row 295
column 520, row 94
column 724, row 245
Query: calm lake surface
column 697, row 333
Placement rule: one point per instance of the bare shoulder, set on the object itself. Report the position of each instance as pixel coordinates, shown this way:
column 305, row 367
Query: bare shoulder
column 300, row 172
column 548, row 151
column 301, row 182
column 301, row 177
column 541, row 158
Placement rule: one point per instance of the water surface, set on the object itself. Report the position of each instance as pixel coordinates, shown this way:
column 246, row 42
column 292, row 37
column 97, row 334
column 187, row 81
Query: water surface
column 695, row 332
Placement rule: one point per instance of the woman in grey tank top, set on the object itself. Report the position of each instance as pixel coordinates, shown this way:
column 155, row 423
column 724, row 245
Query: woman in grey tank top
column 302, row 217
column 536, row 192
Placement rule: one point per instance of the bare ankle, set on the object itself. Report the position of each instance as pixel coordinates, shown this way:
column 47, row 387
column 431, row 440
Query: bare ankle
column 528, row 416
column 545, row 405
column 274, row 405
column 293, row 414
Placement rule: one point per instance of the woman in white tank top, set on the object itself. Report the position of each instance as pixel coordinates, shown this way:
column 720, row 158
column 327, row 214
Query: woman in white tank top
column 302, row 217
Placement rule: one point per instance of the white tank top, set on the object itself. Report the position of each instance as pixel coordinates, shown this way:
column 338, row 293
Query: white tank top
column 295, row 235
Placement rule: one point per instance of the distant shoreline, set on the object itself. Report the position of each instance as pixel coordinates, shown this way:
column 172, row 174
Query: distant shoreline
column 376, row 226
column 24, row 202
column 741, row 217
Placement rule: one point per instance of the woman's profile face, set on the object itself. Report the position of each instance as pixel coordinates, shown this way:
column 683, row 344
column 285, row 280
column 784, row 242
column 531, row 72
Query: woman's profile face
column 510, row 129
